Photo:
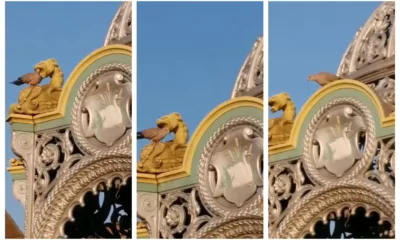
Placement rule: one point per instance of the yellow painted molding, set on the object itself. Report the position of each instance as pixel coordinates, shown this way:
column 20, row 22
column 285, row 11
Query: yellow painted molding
column 317, row 96
column 16, row 169
column 142, row 232
column 194, row 140
column 69, row 83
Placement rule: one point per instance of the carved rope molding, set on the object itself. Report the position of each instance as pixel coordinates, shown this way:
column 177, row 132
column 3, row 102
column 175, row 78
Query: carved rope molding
column 325, row 113
column 81, row 140
column 206, row 197
column 309, row 209
column 74, row 184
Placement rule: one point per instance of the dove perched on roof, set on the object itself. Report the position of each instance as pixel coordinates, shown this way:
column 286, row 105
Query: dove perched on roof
column 32, row 79
column 153, row 134
column 323, row 78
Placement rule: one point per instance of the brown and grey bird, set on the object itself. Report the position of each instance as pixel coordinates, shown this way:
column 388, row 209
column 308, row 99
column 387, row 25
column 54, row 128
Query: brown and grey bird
column 153, row 134
column 323, row 78
column 32, row 79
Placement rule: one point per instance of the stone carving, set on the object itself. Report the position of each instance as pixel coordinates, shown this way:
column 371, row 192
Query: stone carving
column 121, row 26
column 286, row 185
column 176, row 210
column 336, row 140
column 182, row 215
column 279, row 129
column 19, row 190
column 384, row 166
column 41, row 99
column 339, row 138
column 373, row 42
column 293, row 202
column 22, row 145
column 72, row 185
column 232, row 162
column 101, row 115
column 159, row 157
column 147, row 210
column 252, row 72
column 384, row 88
column 55, row 153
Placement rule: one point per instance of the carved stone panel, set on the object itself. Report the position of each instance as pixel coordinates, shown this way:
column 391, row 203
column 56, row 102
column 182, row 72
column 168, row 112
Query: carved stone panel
column 339, row 141
column 232, row 162
column 101, row 115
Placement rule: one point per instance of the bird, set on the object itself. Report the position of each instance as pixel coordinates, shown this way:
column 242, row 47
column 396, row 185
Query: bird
column 32, row 78
column 153, row 134
column 323, row 78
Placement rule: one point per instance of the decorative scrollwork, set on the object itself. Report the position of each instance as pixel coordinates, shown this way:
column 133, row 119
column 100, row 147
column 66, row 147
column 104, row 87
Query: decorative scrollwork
column 339, row 142
column 317, row 205
column 121, row 25
column 385, row 89
column 287, row 184
column 55, row 153
column 101, row 112
column 238, row 225
column 373, row 42
column 384, row 167
column 352, row 221
column 104, row 213
column 71, row 186
column 252, row 72
column 232, row 161
column 177, row 210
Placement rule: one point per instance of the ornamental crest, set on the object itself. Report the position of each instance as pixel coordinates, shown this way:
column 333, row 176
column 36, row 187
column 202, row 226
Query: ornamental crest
column 236, row 166
column 336, row 144
column 107, row 110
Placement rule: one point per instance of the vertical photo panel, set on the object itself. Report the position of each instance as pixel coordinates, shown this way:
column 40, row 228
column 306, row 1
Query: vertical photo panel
column 331, row 129
column 200, row 120
column 69, row 120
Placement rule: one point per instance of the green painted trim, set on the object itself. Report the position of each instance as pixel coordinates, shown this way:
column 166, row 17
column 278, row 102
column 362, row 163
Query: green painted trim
column 192, row 178
column 18, row 176
column 22, row 127
column 146, row 187
column 66, row 120
column 358, row 95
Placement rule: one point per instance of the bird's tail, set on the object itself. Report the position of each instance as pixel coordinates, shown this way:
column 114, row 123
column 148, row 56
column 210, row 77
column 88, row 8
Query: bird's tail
column 139, row 135
column 17, row 82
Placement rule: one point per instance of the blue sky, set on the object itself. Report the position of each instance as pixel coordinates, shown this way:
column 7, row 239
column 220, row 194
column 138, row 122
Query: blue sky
column 189, row 55
column 306, row 38
column 66, row 31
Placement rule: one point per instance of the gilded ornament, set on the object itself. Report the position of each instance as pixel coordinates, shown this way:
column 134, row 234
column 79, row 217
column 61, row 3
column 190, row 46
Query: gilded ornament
column 15, row 162
column 36, row 99
column 159, row 157
column 279, row 129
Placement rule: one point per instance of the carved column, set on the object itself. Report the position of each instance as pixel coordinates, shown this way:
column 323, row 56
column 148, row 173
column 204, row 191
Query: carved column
column 148, row 210
column 23, row 146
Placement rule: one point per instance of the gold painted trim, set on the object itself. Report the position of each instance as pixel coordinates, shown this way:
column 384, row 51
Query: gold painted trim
column 16, row 170
column 142, row 232
column 69, row 83
column 316, row 97
column 194, row 140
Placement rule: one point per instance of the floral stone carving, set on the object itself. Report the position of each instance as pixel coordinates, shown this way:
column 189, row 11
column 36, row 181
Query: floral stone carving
column 159, row 157
column 41, row 99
